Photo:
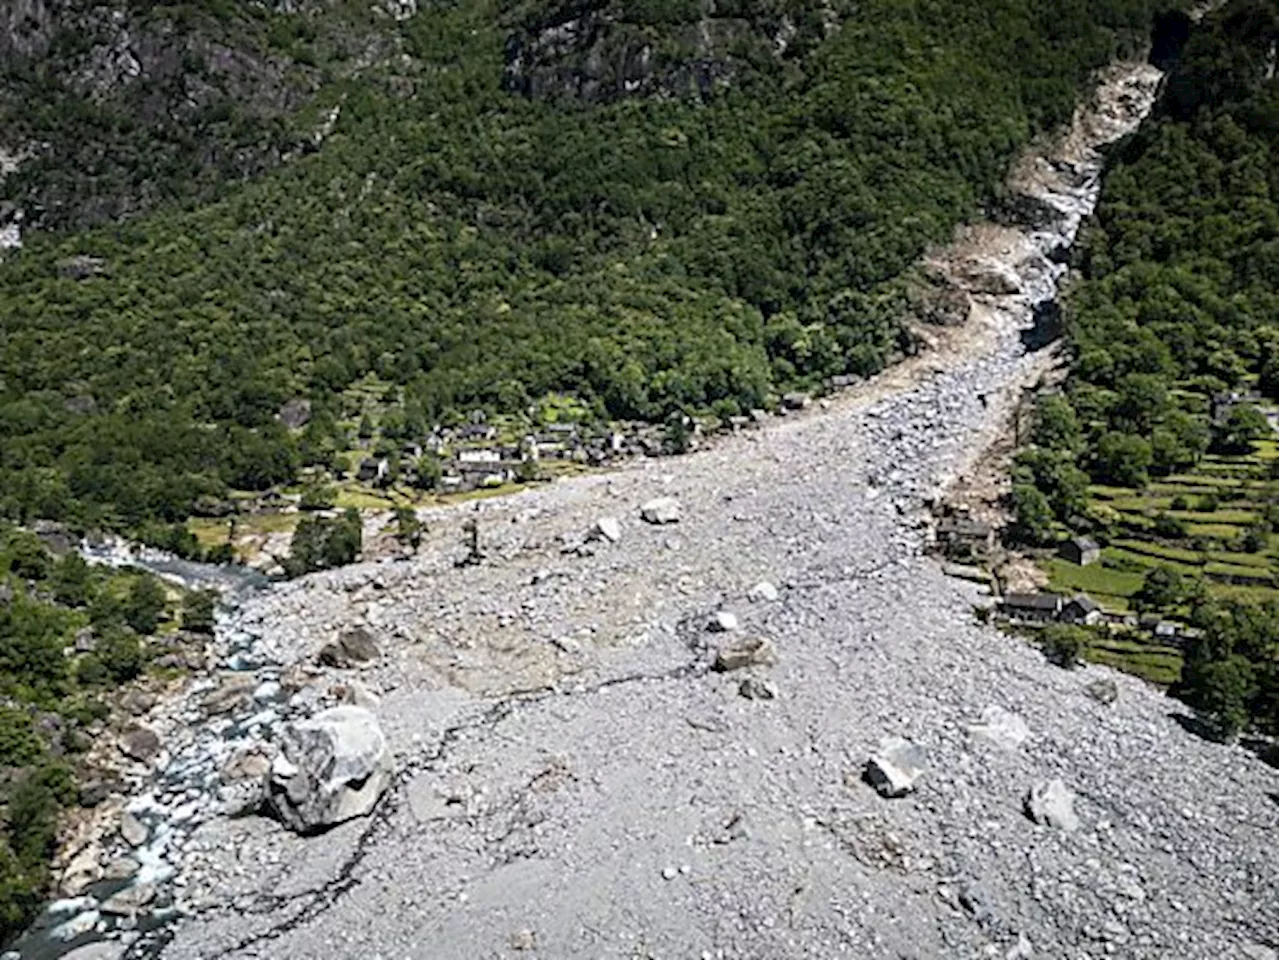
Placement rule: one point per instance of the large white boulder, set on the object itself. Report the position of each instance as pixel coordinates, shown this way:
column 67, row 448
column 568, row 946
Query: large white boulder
column 1051, row 803
column 895, row 767
column 661, row 510
column 331, row 767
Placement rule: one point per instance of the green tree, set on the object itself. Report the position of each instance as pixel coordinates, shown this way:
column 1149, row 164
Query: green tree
column 1064, row 645
column 1162, row 589
column 70, row 581
column 1244, row 424
column 145, row 604
column 1122, row 459
column 1220, row 691
column 198, row 614
column 408, row 528
column 1057, row 426
column 1033, row 521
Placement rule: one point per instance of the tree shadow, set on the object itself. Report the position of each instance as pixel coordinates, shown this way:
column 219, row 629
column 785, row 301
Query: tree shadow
column 1194, row 725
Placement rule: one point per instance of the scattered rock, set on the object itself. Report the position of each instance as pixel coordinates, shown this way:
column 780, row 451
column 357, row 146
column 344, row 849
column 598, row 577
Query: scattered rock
column 233, row 691
column 140, row 743
column 82, row 923
column 796, row 401
column 1001, row 727
column 1104, row 691
column 977, row 901
column 748, row 652
column 84, row 869
column 81, row 266
column 524, row 940
column 103, row 950
column 753, row 688
column 354, row 646
column 895, row 767
column 295, row 413
column 121, row 868
column 607, row 528
column 1021, row 950
column 661, row 510
column 723, row 622
column 132, row 830
column 249, row 764
column 356, row 694
column 137, row 702
column 670, row 873
column 85, row 641
column 1052, row 805
column 331, row 768
column 129, row 901
column 763, row 592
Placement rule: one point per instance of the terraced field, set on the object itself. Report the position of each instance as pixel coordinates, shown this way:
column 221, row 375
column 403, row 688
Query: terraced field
column 1197, row 524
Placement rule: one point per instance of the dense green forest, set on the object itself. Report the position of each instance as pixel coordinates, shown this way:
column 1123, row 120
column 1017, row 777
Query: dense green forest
column 71, row 635
column 477, row 246
column 1173, row 333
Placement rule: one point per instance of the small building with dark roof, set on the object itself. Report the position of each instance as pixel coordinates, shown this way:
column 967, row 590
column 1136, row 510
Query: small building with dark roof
column 1080, row 550
column 1080, row 609
column 1038, row 607
column 961, row 538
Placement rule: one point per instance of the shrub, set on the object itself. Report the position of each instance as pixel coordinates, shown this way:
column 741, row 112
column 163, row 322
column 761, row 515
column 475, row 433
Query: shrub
column 1064, row 645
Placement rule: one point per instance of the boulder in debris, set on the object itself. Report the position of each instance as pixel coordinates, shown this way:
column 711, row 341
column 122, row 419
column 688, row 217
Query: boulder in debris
column 748, row 652
column 722, row 621
column 661, row 510
column 1104, row 691
column 1001, row 727
column 1050, row 803
column 353, row 647
column 763, row 592
column 607, row 529
column 331, row 768
column 140, row 743
column 753, row 688
column 895, row 767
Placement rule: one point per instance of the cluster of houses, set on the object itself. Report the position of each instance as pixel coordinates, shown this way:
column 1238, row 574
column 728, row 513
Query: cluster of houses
column 1036, row 609
column 473, row 456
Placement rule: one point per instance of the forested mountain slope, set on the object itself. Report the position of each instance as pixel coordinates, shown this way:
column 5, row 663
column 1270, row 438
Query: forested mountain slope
column 655, row 209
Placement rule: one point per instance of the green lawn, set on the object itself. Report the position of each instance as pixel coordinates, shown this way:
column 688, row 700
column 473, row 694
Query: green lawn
column 1096, row 580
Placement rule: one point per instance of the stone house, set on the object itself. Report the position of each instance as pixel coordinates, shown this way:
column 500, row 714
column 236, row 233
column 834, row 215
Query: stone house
column 1081, row 609
column 1080, row 550
column 1032, row 607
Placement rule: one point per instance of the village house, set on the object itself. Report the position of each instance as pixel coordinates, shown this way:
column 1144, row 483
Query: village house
column 1032, row 607
column 1221, row 404
column 1081, row 609
column 479, row 456
column 1080, row 550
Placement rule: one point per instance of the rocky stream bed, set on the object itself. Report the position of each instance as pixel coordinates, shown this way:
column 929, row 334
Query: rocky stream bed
column 621, row 738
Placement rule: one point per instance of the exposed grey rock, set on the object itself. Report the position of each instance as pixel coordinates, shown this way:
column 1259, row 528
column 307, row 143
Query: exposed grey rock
column 103, row 950
column 796, row 401
column 130, row 900
column 607, row 528
column 295, row 413
column 661, row 510
column 1104, row 691
column 1052, row 804
column 895, row 767
column 233, row 692
column 140, row 743
column 1001, row 727
column 132, row 830
column 722, row 621
column 753, row 688
column 120, row 868
column 331, row 768
column 137, row 702
column 747, row 652
column 81, row 267
column 353, row 647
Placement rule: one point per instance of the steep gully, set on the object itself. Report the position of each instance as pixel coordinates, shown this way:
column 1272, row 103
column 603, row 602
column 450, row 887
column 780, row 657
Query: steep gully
column 882, row 449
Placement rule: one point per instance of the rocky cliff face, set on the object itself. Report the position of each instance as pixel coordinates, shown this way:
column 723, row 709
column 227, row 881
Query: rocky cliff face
column 106, row 109
column 604, row 51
